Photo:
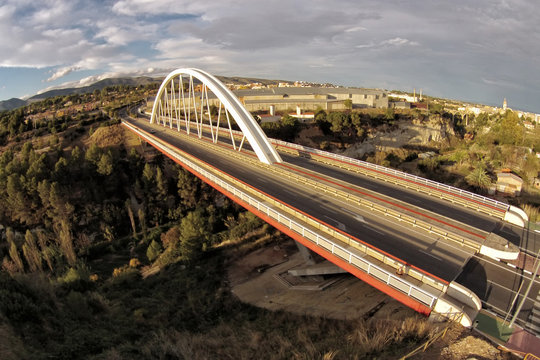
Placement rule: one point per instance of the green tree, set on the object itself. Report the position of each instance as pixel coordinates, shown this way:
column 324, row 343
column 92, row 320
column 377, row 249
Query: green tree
column 161, row 182
column 531, row 166
column 61, row 170
column 131, row 218
column 188, row 189
column 142, row 221
column 481, row 121
column 93, row 154
column 322, row 123
column 65, row 241
column 153, row 250
column 479, row 178
column 17, row 199
column 288, row 127
column 458, row 156
column 436, row 108
column 511, row 130
column 148, row 176
column 348, row 104
column 76, row 155
column 389, row 114
column 106, row 164
column 46, row 251
column 339, row 121
column 194, row 233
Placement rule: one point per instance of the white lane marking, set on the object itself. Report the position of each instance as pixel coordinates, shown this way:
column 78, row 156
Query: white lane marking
column 412, row 230
column 375, row 230
column 261, row 179
column 356, row 216
column 330, row 210
column 504, row 267
column 288, row 192
column 506, row 288
column 340, row 226
column 433, row 256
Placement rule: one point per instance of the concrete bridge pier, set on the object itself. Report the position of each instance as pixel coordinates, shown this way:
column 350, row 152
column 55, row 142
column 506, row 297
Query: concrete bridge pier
column 307, row 254
column 312, row 267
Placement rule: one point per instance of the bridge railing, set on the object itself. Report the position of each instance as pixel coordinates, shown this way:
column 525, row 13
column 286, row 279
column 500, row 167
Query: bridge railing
column 358, row 261
column 497, row 205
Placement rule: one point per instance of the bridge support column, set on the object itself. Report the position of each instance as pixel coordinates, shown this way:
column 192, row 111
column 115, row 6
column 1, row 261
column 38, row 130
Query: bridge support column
column 313, row 267
column 306, row 254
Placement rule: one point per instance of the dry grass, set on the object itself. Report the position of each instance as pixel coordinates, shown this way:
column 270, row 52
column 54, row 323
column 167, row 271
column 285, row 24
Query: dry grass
column 309, row 338
column 109, row 136
column 532, row 211
column 374, row 336
column 253, row 240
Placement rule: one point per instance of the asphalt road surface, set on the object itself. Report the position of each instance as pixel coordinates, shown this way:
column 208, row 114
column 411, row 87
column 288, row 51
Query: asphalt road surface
column 420, row 249
column 495, row 283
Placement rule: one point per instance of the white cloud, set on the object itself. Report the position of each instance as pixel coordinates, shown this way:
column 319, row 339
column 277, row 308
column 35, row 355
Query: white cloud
column 152, row 7
column 89, row 80
column 62, row 72
column 356, row 28
column 397, row 41
column 394, row 42
column 443, row 45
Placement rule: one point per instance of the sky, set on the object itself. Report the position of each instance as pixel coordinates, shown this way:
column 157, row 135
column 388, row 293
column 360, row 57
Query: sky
column 479, row 51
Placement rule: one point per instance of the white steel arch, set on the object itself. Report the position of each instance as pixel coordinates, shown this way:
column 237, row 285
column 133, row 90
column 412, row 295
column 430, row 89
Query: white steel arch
column 176, row 104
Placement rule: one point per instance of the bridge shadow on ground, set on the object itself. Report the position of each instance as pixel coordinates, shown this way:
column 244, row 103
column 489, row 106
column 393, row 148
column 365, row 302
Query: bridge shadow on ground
column 474, row 277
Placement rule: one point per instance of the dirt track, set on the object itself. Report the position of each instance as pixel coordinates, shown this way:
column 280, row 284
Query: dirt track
column 260, row 278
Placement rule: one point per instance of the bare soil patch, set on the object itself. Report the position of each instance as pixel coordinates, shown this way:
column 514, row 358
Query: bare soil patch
column 257, row 279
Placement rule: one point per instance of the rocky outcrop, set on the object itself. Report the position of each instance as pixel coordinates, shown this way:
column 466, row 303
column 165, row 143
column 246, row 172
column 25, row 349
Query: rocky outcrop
column 416, row 132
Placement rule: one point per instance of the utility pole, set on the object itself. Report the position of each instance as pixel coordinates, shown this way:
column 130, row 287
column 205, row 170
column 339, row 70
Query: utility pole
column 527, row 291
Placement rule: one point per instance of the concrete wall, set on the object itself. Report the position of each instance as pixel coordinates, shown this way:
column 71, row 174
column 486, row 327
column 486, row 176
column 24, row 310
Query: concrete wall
column 331, row 101
column 371, row 100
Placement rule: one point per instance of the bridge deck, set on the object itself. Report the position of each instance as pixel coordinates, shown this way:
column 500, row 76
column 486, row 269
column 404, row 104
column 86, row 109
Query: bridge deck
column 419, row 249
column 461, row 216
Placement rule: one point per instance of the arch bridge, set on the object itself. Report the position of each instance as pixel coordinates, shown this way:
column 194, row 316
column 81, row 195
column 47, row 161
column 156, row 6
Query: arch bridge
column 179, row 101
column 383, row 246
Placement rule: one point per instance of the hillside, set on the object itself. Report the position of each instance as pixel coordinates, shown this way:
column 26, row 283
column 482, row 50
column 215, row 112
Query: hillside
column 11, row 104
column 110, row 250
column 137, row 81
column 127, row 81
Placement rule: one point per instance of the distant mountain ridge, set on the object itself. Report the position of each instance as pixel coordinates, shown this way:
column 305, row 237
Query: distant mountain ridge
column 12, row 103
column 137, row 81
column 129, row 81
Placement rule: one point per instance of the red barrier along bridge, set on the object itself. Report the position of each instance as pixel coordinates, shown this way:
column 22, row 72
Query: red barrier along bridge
column 377, row 240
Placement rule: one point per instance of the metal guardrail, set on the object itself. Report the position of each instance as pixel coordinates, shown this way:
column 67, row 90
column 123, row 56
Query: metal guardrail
column 349, row 240
column 372, row 206
column 341, row 252
column 413, row 178
column 369, row 205
column 498, row 206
